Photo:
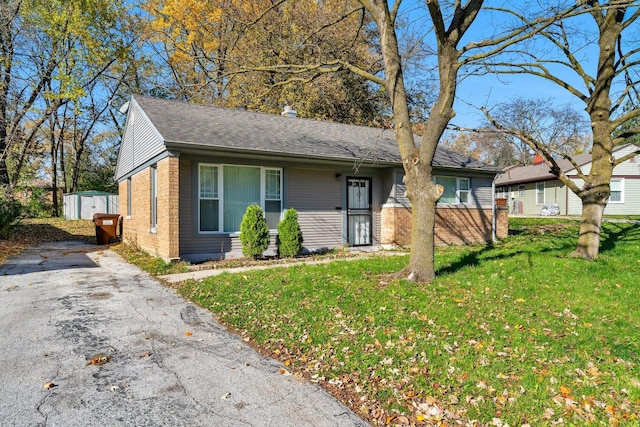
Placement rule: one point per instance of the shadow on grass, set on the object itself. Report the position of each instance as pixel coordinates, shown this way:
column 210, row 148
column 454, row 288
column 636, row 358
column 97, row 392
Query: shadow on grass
column 483, row 254
column 615, row 232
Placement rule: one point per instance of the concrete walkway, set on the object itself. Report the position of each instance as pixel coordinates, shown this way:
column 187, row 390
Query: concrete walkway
column 89, row 340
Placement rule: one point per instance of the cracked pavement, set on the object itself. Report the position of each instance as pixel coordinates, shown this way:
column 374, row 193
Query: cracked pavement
column 122, row 349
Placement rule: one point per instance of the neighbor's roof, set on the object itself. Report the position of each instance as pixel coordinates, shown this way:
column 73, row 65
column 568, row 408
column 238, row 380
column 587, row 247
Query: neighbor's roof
column 540, row 172
column 182, row 124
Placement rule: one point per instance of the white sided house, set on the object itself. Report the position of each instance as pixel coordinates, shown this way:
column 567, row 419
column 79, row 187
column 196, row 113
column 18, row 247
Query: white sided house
column 533, row 189
column 188, row 172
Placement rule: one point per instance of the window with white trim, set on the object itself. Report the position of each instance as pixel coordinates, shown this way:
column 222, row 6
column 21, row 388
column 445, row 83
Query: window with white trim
column 616, row 187
column 456, row 190
column 225, row 192
column 540, row 193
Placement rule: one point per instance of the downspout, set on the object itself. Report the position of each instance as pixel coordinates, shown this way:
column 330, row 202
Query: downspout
column 494, row 237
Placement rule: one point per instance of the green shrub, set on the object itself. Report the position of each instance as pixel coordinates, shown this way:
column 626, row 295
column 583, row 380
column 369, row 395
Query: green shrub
column 10, row 213
column 254, row 232
column 289, row 238
column 37, row 206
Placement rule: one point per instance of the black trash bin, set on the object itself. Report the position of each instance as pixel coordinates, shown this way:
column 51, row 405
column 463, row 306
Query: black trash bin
column 106, row 228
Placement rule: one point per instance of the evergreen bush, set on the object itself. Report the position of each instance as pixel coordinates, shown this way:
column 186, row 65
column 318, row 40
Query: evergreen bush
column 289, row 240
column 254, row 232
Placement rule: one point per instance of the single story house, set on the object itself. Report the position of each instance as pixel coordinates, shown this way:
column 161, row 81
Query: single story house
column 187, row 173
column 530, row 188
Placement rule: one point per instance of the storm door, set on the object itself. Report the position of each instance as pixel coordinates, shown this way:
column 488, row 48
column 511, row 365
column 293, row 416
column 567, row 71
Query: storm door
column 359, row 211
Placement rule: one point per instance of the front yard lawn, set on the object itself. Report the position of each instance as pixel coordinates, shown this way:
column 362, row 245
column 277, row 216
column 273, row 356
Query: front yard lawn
column 515, row 333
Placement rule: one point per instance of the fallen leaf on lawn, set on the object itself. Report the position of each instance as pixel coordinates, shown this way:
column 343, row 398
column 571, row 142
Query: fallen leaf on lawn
column 188, row 334
column 99, row 360
column 430, row 400
column 519, row 300
column 49, row 385
column 565, row 391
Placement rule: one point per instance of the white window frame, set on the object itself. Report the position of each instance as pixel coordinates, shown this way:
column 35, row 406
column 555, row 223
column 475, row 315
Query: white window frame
column 217, row 197
column 458, row 190
column 621, row 181
column 521, row 190
column 220, row 192
column 538, row 192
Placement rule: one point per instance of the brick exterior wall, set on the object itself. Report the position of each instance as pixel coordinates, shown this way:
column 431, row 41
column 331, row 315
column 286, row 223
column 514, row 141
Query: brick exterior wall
column 136, row 229
column 453, row 225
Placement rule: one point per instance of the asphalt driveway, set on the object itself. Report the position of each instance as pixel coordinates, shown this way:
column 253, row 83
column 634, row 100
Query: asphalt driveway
column 89, row 340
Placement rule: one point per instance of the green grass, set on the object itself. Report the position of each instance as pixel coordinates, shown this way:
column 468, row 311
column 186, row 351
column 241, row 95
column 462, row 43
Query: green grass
column 516, row 333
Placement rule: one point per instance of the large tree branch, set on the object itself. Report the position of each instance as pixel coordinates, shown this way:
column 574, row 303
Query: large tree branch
column 528, row 29
column 323, row 68
column 541, row 148
column 542, row 71
column 628, row 156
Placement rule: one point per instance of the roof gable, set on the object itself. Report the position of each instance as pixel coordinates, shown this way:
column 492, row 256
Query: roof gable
column 141, row 141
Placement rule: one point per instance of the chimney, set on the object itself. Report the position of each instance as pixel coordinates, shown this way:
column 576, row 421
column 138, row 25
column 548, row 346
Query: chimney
column 289, row 111
column 538, row 159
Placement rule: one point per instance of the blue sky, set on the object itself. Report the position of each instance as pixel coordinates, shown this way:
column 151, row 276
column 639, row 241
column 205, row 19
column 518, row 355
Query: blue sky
column 492, row 90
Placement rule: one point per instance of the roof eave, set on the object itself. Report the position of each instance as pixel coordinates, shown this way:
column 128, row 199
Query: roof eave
column 198, row 148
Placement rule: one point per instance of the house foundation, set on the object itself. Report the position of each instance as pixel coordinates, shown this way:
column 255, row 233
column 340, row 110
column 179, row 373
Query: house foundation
column 459, row 225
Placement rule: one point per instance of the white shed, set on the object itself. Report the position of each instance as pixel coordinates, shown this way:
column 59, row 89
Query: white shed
column 84, row 204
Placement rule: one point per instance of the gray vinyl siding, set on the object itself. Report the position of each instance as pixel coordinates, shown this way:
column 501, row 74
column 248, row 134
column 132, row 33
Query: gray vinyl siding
column 630, row 172
column 628, row 167
column 555, row 192
column 629, row 206
column 196, row 246
column 148, row 142
column 527, row 201
column 316, row 194
column 480, row 195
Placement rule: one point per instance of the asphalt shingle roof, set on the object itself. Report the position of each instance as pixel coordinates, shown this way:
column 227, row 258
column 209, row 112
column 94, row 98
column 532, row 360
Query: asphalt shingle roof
column 184, row 123
column 540, row 172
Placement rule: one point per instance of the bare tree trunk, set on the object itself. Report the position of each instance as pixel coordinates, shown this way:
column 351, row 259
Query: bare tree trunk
column 421, row 261
column 63, row 169
column 4, row 173
column 590, row 226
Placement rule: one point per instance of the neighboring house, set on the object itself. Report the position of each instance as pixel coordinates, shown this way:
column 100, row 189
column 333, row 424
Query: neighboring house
column 530, row 188
column 187, row 173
